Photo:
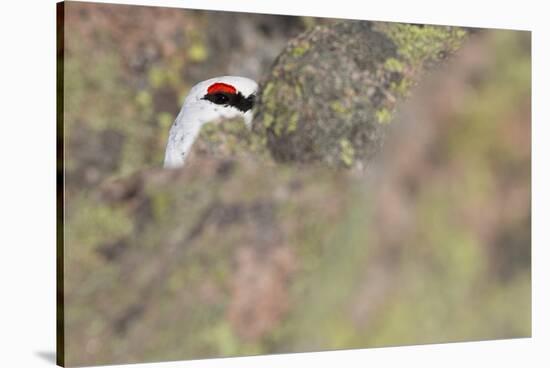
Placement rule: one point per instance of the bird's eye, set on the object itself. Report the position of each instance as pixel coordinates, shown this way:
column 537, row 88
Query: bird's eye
column 225, row 98
column 220, row 98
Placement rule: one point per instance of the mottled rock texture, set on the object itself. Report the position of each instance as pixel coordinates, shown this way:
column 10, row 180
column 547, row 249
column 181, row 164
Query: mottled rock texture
column 333, row 90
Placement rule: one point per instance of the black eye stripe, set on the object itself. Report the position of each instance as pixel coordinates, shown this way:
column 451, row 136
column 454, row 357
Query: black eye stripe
column 219, row 98
column 231, row 99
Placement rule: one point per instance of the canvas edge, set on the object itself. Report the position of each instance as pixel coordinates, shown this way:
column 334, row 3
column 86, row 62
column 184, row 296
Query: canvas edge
column 60, row 200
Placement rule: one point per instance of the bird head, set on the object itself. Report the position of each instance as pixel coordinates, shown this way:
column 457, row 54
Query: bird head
column 220, row 98
column 212, row 100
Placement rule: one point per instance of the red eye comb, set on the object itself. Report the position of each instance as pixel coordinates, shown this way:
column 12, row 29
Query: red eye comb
column 221, row 87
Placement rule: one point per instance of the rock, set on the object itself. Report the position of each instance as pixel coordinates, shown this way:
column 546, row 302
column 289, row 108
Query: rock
column 332, row 91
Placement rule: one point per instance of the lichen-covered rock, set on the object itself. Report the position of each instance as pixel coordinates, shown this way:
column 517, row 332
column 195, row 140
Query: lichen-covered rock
column 333, row 89
column 230, row 139
column 243, row 256
column 198, row 262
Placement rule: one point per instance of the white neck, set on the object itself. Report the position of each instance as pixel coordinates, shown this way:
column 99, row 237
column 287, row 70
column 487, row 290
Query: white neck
column 182, row 135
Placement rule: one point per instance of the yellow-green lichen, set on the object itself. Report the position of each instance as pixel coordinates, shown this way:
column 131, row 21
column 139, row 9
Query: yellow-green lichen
column 268, row 120
column 198, row 52
column 165, row 119
column 338, row 107
column 293, row 123
column 144, row 99
column 211, row 133
column 298, row 90
column 156, row 77
column 383, row 116
column 300, row 49
column 268, row 89
column 346, row 152
column 417, row 44
column 393, row 65
column 160, row 204
column 403, row 87
column 94, row 224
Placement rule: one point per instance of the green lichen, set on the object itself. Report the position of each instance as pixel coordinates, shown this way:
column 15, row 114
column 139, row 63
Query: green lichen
column 144, row 99
column 300, row 49
column 160, row 204
column 393, row 65
column 198, row 53
column 160, row 76
column 268, row 88
column 346, row 152
column 275, row 116
column 268, row 120
column 298, row 90
column 165, row 119
column 318, row 77
column 211, row 133
column 338, row 107
column 383, row 116
column 293, row 122
column 156, row 77
column 417, row 44
column 418, row 47
column 402, row 88
column 93, row 224
column 278, row 127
